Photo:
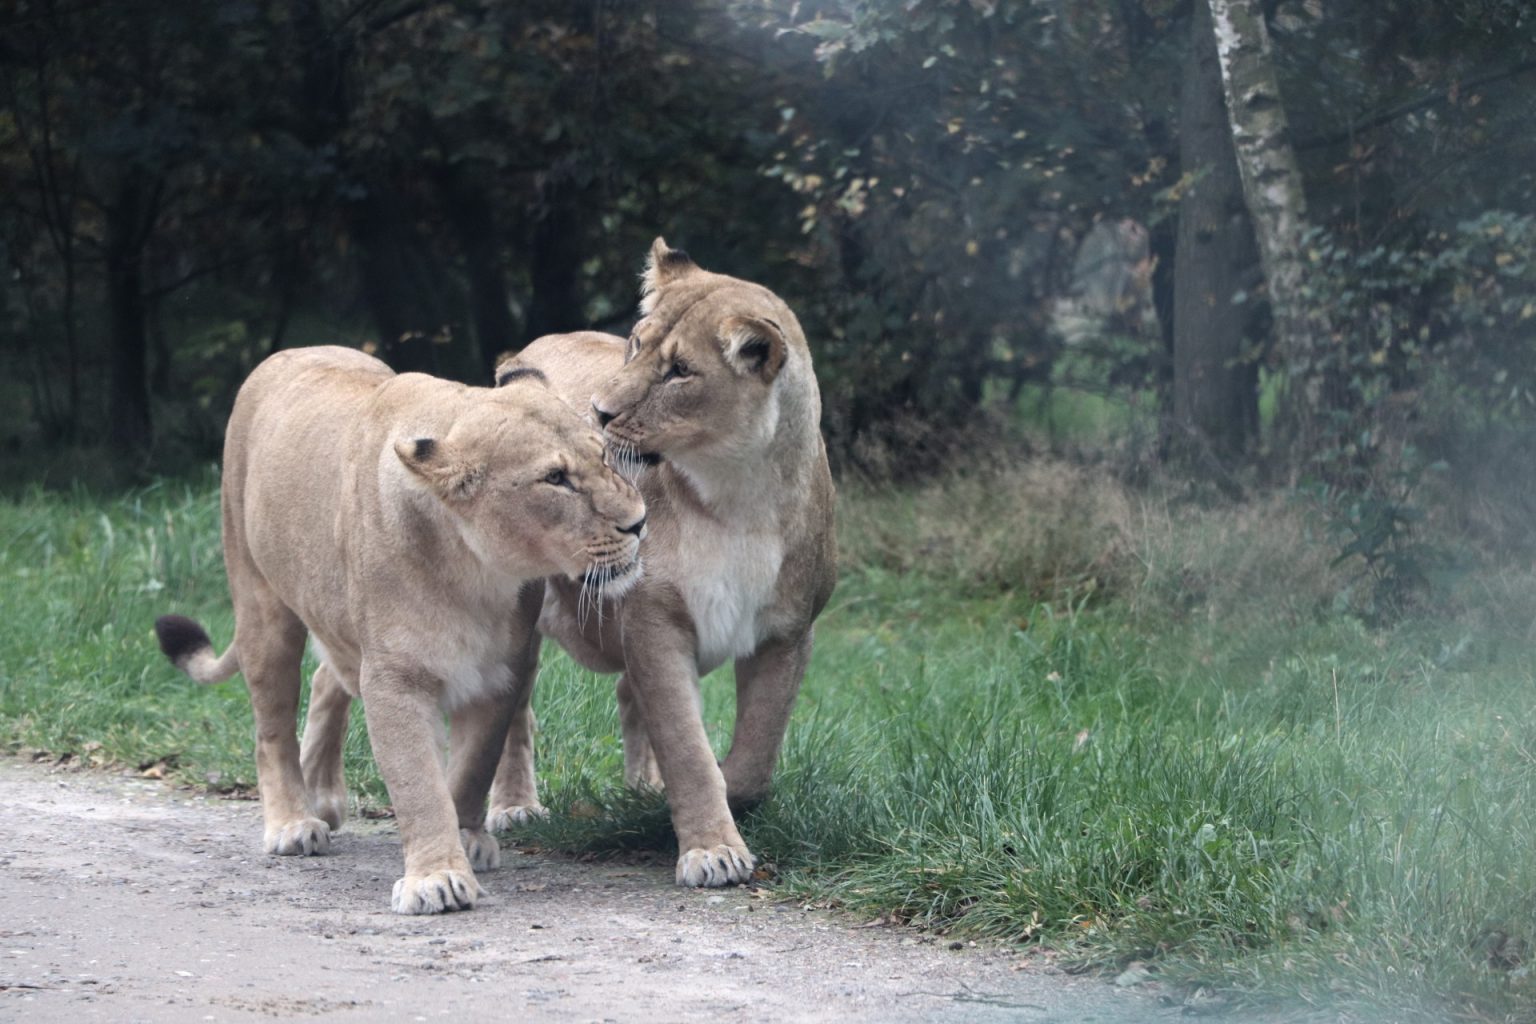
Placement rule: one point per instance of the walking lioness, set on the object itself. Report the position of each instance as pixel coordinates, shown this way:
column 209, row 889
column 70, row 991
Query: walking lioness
column 403, row 522
column 715, row 394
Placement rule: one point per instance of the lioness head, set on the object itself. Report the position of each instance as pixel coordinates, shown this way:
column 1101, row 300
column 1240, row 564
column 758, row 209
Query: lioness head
column 701, row 367
column 528, row 483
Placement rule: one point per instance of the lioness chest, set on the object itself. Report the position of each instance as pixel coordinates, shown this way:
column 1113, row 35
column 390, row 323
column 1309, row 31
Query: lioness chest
column 728, row 582
column 464, row 645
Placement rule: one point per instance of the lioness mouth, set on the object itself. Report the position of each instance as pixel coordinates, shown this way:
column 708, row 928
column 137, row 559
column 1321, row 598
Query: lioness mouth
column 606, row 581
column 629, row 461
column 608, row 575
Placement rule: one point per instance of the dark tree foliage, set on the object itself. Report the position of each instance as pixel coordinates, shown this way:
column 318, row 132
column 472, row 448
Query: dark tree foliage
column 965, row 200
column 951, row 157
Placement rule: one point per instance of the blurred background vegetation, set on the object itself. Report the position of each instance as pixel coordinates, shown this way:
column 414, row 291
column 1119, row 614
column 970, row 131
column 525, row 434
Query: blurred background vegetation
column 984, row 212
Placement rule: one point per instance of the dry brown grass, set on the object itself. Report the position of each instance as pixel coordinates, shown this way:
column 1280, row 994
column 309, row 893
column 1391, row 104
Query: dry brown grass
column 1040, row 526
column 1052, row 529
column 1268, row 555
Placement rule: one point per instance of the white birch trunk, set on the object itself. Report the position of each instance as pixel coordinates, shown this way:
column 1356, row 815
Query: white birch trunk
column 1273, row 192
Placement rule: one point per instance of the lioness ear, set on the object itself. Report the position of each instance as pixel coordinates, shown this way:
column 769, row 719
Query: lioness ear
column 662, row 266
column 432, row 463
column 508, row 371
column 753, row 346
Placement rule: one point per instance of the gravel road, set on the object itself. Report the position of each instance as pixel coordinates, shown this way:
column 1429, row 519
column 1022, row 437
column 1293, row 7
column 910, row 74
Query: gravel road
column 127, row 900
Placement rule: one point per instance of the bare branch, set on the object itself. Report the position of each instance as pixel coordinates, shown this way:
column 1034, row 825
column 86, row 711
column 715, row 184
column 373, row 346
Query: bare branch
column 1412, row 107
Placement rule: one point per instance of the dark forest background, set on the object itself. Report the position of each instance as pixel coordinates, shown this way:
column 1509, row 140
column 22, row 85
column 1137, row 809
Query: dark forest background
column 983, row 212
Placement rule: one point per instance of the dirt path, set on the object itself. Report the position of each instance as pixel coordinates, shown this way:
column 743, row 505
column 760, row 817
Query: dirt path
column 124, row 900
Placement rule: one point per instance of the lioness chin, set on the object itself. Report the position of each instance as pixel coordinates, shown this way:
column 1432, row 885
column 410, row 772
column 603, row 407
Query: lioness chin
column 403, row 522
column 715, row 395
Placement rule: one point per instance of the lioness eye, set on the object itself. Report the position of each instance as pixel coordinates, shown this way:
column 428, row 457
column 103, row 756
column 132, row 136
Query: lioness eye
column 679, row 370
column 557, row 477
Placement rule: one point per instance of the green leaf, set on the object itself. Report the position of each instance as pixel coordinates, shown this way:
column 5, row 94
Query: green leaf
column 821, row 28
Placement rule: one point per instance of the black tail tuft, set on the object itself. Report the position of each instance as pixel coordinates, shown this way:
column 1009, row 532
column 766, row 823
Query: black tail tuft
column 180, row 637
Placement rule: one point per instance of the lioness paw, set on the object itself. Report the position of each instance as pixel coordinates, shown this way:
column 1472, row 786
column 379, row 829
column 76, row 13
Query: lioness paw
column 303, row 838
column 714, row 867
column 330, row 807
column 435, row 893
column 482, row 849
column 504, row 819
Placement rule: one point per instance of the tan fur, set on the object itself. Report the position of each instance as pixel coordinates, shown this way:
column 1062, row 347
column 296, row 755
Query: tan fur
column 404, row 522
column 740, row 556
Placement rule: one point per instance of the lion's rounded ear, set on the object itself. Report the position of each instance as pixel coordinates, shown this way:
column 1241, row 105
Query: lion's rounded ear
column 430, row 461
column 418, row 454
column 663, row 265
column 753, row 346
column 508, row 371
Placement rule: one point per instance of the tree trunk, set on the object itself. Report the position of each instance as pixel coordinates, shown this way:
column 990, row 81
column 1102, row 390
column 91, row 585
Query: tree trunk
column 473, row 218
column 402, row 287
column 127, row 220
column 1215, row 391
column 1272, row 189
column 401, row 283
column 555, row 264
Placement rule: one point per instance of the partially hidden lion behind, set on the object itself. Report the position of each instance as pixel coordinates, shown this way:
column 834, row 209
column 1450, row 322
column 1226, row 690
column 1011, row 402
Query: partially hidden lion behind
column 404, row 523
column 714, row 392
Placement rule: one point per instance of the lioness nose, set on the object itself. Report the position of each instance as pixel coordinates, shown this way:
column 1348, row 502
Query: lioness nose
column 635, row 528
column 603, row 418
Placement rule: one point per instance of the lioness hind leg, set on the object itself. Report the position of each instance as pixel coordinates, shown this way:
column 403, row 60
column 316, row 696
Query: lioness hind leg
column 271, row 640
column 320, row 753
column 515, row 791
column 640, row 769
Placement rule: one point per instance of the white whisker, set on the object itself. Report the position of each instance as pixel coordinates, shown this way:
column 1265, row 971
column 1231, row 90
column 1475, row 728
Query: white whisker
column 626, row 460
column 600, row 584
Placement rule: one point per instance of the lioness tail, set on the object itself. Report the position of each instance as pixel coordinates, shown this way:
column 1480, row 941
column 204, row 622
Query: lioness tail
column 187, row 645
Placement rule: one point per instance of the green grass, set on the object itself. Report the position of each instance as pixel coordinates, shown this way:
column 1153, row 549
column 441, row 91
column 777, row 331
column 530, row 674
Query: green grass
column 1162, row 745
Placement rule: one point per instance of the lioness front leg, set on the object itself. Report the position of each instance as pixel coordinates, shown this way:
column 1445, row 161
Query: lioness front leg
column 640, row 769
column 320, row 752
column 401, row 706
column 663, row 669
column 477, row 734
column 515, row 792
column 766, row 686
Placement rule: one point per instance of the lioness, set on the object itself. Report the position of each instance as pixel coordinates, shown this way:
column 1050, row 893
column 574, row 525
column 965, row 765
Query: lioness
column 397, row 519
column 714, row 390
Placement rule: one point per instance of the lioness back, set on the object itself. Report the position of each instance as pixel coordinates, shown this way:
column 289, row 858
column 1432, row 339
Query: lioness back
column 576, row 365
column 283, row 455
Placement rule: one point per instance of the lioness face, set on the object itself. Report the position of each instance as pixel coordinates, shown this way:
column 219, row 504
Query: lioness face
column 700, row 366
column 530, row 485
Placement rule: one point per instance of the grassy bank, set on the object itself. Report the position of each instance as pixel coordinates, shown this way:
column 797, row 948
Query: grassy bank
column 1040, row 708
